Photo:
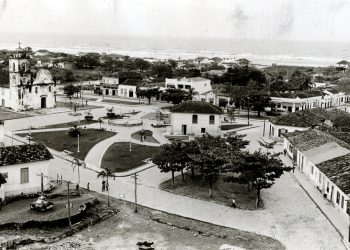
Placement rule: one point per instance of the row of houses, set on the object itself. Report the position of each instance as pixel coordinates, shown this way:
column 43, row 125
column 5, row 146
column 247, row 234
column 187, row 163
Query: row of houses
column 200, row 87
column 325, row 160
column 300, row 100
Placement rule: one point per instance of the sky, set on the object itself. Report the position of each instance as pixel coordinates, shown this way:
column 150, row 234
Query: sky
column 306, row 20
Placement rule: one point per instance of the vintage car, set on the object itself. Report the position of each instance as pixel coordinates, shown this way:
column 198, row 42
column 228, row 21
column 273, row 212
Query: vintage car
column 41, row 204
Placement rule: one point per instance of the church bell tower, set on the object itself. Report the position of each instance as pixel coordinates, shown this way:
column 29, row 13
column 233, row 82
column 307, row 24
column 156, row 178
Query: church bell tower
column 19, row 67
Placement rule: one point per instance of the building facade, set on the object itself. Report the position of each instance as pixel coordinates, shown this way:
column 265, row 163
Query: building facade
column 195, row 118
column 197, row 84
column 325, row 160
column 22, row 92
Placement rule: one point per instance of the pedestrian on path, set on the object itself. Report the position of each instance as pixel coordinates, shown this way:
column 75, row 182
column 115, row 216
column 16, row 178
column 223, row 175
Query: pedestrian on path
column 234, row 205
column 103, row 185
column 107, row 186
column 88, row 186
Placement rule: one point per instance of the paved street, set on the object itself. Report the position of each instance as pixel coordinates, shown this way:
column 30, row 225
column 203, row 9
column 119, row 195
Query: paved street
column 290, row 215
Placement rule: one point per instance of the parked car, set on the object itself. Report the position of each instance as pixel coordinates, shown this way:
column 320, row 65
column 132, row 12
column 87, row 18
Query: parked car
column 41, row 204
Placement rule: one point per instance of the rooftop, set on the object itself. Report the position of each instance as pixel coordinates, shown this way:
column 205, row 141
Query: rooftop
column 196, row 107
column 43, row 76
column 338, row 171
column 297, row 94
column 312, row 138
column 325, row 152
column 20, row 154
column 308, row 117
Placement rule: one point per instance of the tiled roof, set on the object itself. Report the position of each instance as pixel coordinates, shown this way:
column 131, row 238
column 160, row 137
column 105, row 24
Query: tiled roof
column 325, row 152
column 308, row 118
column 312, row 138
column 196, row 107
column 338, row 171
column 297, row 94
column 20, row 154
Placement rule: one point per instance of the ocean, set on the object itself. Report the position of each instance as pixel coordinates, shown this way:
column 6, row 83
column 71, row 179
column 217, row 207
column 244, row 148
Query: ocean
column 264, row 51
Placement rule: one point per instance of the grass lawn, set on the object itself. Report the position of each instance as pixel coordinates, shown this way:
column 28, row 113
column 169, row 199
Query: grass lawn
column 223, row 192
column 60, row 140
column 71, row 124
column 8, row 115
column 148, row 136
column 232, row 126
column 118, row 158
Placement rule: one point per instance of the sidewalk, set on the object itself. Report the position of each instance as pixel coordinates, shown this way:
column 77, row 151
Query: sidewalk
column 339, row 221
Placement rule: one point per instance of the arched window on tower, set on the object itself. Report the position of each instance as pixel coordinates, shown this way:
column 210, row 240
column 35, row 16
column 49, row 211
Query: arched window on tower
column 14, row 67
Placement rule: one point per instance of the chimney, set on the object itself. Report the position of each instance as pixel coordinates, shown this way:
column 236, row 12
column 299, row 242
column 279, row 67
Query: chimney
column 2, row 133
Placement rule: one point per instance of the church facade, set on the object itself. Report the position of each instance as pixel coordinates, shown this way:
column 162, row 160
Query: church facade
column 23, row 92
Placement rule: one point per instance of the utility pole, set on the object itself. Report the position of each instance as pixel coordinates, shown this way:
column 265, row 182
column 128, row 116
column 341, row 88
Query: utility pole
column 42, row 182
column 69, row 220
column 264, row 125
column 135, row 190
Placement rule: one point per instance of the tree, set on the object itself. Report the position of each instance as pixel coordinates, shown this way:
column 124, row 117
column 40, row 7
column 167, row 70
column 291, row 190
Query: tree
column 168, row 159
column 74, row 132
column 300, row 81
column 260, row 169
column 142, row 64
column 148, row 93
column 236, row 140
column 172, row 63
column 106, row 173
column 175, row 96
column 77, row 163
column 88, row 61
column 259, row 102
column 4, row 77
column 162, row 70
column 69, row 90
column 212, row 157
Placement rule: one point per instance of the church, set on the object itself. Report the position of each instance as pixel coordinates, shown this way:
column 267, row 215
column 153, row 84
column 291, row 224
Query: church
column 23, row 92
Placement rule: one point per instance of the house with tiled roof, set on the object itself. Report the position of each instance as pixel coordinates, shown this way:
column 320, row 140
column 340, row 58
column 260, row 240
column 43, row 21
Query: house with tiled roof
column 303, row 120
column 325, row 160
column 195, row 118
column 22, row 166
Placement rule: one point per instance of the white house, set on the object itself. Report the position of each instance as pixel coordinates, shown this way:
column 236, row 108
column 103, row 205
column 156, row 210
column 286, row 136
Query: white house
column 325, row 160
column 110, row 85
column 195, row 118
column 198, row 84
column 22, row 167
column 22, row 92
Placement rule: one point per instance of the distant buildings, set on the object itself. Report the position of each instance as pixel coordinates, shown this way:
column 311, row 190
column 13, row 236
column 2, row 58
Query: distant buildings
column 325, row 160
column 195, row 118
column 22, row 92
column 300, row 100
column 196, row 84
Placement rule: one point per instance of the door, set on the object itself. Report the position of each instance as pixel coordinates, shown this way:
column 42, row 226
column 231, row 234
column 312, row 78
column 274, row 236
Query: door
column 3, row 102
column 43, row 102
column 113, row 92
column 184, row 129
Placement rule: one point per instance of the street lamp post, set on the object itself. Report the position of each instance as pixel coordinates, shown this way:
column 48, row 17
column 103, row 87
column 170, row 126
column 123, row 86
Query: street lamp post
column 264, row 125
column 78, row 151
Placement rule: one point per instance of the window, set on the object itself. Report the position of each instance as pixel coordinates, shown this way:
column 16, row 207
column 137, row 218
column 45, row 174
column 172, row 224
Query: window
column 342, row 202
column 14, row 67
column 319, row 177
column 211, row 119
column 180, row 86
column 24, row 175
column 49, row 88
column 312, row 169
column 187, row 86
column 30, row 89
column 36, row 90
column 202, row 130
column 194, row 119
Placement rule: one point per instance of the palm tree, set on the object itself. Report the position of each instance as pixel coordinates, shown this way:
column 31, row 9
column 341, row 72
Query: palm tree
column 77, row 163
column 105, row 174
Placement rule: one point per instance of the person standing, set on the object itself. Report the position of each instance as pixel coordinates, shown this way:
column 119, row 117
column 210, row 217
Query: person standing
column 103, row 185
